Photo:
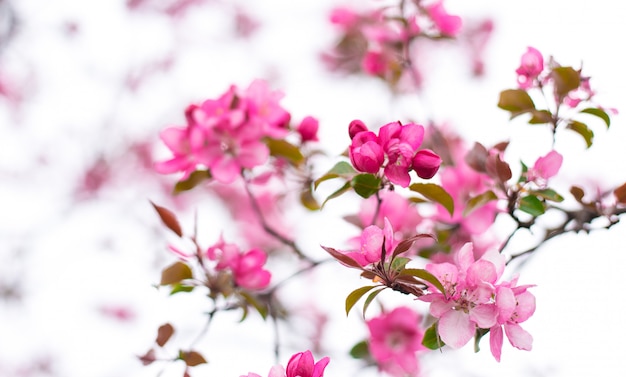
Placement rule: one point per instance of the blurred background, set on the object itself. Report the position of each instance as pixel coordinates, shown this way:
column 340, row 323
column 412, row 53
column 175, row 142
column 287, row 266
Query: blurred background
column 85, row 88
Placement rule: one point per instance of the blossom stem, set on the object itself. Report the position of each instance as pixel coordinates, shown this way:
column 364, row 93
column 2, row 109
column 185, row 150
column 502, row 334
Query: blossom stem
column 268, row 229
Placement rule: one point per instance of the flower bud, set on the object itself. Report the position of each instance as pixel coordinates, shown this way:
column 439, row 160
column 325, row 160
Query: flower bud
column 426, row 163
column 308, row 129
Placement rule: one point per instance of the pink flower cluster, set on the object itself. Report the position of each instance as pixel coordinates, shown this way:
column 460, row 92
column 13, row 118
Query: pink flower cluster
column 247, row 268
column 473, row 300
column 375, row 42
column 301, row 364
column 227, row 134
column 394, row 149
column 395, row 338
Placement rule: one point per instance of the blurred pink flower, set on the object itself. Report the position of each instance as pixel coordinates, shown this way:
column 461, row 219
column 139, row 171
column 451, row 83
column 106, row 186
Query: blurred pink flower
column 395, row 337
column 530, row 68
column 545, row 167
column 446, row 23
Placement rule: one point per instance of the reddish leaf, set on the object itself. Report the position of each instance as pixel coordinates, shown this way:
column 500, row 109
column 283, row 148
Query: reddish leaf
column 148, row 358
column 476, row 158
column 165, row 333
column 169, row 219
column 405, row 245
column 620, row 194
column 192, row 358
column 342, row 258
column 578, row 193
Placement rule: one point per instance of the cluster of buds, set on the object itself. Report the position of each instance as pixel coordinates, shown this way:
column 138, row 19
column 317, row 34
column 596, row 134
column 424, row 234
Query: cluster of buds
column 394, row 149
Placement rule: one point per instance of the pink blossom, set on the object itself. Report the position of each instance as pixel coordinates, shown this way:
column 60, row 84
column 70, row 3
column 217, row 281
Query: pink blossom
column 247, row 268
column 394, row 149
column 302, row 364
column 365, row 152
column 446, row 23
column 580, row 94
column 344, row 17
column 372, row 241
column 530, row 68
column 263, row 107
column 426, row 163
column 400, row 143
column 515, row 305
column 249, row 272
column 374, row 63
column 308, row 129
column 545, row 167
column 177, row 140
column 395, row 337
column 468, row 301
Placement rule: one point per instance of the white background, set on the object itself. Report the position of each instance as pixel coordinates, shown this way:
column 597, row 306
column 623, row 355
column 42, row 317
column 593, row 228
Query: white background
column 72, row 257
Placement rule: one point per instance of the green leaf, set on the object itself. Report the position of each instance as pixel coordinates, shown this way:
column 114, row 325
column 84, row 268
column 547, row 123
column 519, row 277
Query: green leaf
column 398, row 263
column 435, row 193
column 479, row 201
column 548, row 194
column 169, row 219
column 177, row 288
column 532, row 205
column 565, row 80
column 175, row 273
column 192, row 181
column 522, row 177
column 342, row 190
column 426, row 276
column 366, row 185
column 516, row 101
column 540, row 117
column 356, row 295
column 282, row 148
column 308, row 200
column 431, row 339
column 360, row 350
column 599, row 113
column 582, row 130
column 259, row 306
column 370, row 298
column 478, row 336
column 341, row 169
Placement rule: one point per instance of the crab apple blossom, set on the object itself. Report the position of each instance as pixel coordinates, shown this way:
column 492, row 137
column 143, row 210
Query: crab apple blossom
column 530, row 68
column 468, row 301
column 545, row 167
column 302, row 364
column 395, row 149
column 515, row 305
column 447, row 24
column 372, row 241
column 226, row 134
column 395, row 338
column 308, row 129
column 247, row 268
column 426, row 163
